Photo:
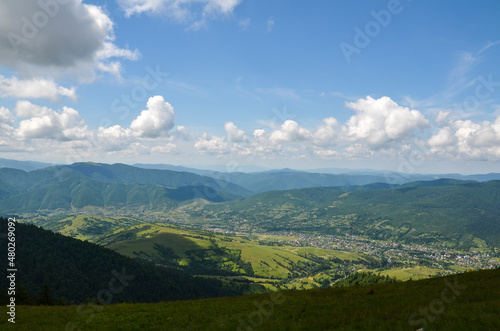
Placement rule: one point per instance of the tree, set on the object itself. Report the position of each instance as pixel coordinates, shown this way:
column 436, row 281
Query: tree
column 46, row 298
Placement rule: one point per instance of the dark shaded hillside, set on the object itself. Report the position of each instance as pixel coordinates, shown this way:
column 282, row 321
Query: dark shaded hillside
column 441, row 210
column 75, row 270
column 468, row 301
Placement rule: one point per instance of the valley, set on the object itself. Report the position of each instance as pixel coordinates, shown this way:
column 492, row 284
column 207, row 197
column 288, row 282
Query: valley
column 267, row 260
column 191, row 236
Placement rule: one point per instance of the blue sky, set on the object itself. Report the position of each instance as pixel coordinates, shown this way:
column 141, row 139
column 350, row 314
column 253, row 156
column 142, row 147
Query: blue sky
column 403, row 85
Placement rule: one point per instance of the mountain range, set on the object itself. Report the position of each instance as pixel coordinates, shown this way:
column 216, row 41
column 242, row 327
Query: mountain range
column 451, row 210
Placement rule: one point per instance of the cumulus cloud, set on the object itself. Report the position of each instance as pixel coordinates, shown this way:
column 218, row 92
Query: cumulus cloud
column 181, row 133
column 260, row 136
column 34, row 88
column 155, row 121
column 478, row 140
column 443, row 137
column 326, row 153
column 233, row 133
column 44, row 122
column 442, row 117
column 185, row 11
column 467, row 139
column 57, row 37
column 6, row 116
column 64, row 134
column 378, row 129
column 326, row 134
column 290, row 131
column 6, row 122
column 164, row 149
column 114, row 138
column 212, row 144
column 379, row 121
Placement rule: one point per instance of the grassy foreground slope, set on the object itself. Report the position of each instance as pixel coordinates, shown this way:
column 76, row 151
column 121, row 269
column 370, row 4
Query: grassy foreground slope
column 469, row 301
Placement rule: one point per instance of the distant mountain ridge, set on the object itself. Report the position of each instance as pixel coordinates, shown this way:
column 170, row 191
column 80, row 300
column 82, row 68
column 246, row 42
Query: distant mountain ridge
column 23, row 165
column 243, row 183
column 100, row 185
column 287, row 179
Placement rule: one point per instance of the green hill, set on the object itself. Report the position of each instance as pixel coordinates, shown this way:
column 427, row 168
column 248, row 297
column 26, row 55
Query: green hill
column 76, row 187
column 440, row 212
column 75, row 270
column 122, row 173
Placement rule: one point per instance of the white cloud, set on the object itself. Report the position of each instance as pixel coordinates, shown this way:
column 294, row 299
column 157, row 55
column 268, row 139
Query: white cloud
column 215, row 145
column 109, row 50
column 326, row 153
column 156, row 121
column 465, row 132
column 182, row 11
column 379, row 121
column 114, row 138
column 443, row 137
column 260, row 136
column 380, row 129
column 270, row 24
column 63, row 134
column 224, row 7
column 164, row 149
column 442, row 117
column 63, row 37
column 233, row 133
column 46, row 123
column 181, row 133
column 34, row 88
column 326, row 134
column 6, row 122
column 244, row 24
column 467, row 139
column 6, row 116
column 290, row 132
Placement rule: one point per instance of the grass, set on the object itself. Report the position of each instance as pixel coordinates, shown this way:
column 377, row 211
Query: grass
column 267, row 261
column 474, row 304
column 86, row 226
column 414, row 273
